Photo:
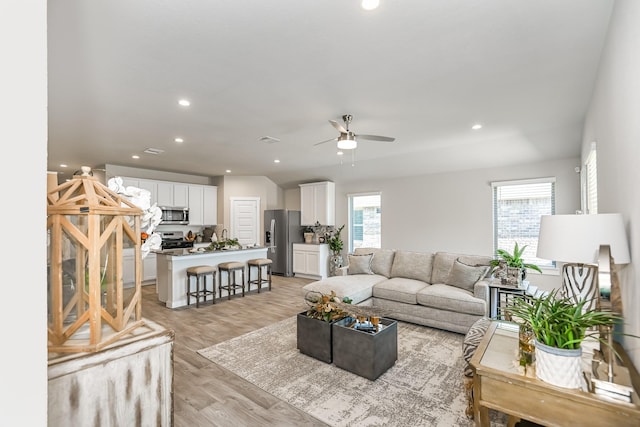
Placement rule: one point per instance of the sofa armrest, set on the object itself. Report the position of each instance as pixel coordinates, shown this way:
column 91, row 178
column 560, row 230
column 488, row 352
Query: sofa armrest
column 481, row 290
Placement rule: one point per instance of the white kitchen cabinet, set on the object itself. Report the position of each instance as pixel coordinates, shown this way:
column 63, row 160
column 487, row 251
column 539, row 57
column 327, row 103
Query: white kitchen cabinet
column 203, row 204
column 152, row 187
column 149, row 268
column 145, row 184
column 311, row 261
column 318, row 203
column 173, row 194
column 128, row 267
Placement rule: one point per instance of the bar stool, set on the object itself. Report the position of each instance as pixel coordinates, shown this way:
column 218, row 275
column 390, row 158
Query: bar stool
column 230, row 268
column 201, row 271
column 259, row 264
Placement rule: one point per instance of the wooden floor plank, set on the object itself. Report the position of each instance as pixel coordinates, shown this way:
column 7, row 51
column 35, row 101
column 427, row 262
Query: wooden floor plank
column 206, row 394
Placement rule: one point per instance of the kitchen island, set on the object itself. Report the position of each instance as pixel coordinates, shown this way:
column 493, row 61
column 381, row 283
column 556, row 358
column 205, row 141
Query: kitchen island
column 172, row 264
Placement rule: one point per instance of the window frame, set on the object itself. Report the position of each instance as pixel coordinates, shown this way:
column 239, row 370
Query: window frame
column 543, row 264
column 350, row 200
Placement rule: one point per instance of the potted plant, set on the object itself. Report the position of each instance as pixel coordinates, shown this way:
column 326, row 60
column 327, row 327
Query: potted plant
column 510, row 267
column 559, row 326
column 308, row 234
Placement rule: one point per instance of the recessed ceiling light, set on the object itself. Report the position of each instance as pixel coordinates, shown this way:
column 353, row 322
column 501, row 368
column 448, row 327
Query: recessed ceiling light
column 476, row 126
column 276, row 161
column 340, row 153
column 179, row 140
column 370, row 4
column 184, row 102
column 63, row 165
column 135, row 156
column 228, row 171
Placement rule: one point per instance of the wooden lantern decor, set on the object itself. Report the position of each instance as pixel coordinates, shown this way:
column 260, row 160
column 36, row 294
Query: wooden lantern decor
column 88, row 227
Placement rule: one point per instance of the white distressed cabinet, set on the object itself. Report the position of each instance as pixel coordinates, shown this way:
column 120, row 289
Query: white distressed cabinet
column 317, row 203
column 311, row 261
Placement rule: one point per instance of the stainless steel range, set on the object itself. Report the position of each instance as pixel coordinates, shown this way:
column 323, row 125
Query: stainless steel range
column 174, row 240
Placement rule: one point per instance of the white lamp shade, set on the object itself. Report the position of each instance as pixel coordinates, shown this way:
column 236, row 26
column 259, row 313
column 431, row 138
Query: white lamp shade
column 577, row 238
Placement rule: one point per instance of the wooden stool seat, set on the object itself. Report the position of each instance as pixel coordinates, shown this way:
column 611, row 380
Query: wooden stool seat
column 259, row 264
column 201, row 272
column 230, row 268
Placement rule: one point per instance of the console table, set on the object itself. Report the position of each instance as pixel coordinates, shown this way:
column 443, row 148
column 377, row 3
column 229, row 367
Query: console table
column 499, row 385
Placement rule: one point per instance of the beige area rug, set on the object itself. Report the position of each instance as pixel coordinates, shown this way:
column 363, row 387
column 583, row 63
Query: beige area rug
column 423, row 388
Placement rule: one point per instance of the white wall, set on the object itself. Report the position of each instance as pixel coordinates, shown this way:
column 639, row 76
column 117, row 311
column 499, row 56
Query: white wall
column 23, row 108
column 613, row 123
column 453, row 211
column 271, row 196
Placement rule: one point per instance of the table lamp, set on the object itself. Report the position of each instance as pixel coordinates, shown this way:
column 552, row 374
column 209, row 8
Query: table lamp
column 582, row 242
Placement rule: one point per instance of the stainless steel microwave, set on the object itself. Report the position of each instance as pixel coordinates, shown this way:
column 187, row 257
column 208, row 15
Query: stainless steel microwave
column 174, row 215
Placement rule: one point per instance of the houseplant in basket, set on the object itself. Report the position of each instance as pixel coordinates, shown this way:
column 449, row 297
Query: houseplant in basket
column 559, row 327
column 510, row 267
column 314, row 326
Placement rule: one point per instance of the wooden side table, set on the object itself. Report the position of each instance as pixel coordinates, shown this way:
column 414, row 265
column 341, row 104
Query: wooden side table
column 500, row 386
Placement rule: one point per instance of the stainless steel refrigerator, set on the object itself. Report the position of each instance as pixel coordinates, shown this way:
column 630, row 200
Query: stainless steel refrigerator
column 282, row 230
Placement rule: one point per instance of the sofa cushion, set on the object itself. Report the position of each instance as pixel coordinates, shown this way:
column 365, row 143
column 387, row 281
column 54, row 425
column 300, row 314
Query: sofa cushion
column 399, row 289
column 412, row 265
column 443, row 262
column 357, row 287
column 451, row 298
column 360, row 264
column 464, row 275
column 382, row 259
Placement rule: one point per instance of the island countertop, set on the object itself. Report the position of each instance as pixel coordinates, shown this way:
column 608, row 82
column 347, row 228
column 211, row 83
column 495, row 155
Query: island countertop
column 172, row 264
column 200, row 251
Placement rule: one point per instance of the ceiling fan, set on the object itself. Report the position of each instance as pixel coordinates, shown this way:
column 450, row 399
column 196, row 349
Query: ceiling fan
column 348, row 140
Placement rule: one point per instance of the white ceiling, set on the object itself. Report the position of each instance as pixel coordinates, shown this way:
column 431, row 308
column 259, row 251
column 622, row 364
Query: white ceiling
column 422, row 71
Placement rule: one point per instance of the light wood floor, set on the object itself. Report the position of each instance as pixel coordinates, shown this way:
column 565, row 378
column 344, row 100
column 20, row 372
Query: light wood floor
column 205, row 394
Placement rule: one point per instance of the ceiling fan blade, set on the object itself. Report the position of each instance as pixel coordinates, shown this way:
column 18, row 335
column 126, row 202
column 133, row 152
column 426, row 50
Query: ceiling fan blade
column 376, row 138
column 328, row 140
column 338, row 126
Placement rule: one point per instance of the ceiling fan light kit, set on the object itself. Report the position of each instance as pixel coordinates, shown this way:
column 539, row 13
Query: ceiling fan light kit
column 348, row 140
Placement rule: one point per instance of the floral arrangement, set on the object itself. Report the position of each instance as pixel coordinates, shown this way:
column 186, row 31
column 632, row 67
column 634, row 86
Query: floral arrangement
column 326, row 307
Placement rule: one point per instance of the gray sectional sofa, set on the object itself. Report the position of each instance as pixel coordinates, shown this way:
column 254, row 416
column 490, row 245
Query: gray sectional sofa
column 443, row 290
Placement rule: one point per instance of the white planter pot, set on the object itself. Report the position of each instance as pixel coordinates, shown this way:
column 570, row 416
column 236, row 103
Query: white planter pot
column 559, row 367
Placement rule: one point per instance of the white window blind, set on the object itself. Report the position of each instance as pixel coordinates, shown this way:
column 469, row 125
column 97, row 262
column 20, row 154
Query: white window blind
column 591, row 167
column 517, row 208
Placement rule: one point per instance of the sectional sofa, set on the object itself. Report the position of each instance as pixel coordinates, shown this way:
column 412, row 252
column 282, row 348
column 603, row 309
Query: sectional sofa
column 443, row 290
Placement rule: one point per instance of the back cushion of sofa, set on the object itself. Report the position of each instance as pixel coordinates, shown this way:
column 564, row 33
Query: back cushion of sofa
column 443, row 262
column 382, row 259
column 412, row 265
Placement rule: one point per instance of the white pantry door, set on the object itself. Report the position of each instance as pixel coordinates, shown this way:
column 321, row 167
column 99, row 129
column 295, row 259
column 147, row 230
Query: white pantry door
column 245, row 220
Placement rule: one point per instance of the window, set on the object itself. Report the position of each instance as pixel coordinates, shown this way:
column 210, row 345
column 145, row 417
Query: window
column 364, row 221
column 590, row 186
column 517, row 208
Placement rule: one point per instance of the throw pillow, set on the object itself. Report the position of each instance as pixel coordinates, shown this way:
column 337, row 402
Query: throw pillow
column 464, row 276
column 360, row 264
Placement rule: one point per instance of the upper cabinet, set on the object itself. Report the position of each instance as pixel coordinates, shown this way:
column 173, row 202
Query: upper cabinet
column 203, row 204
column 145, row 184
column 173, row 194
column 318, row 203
